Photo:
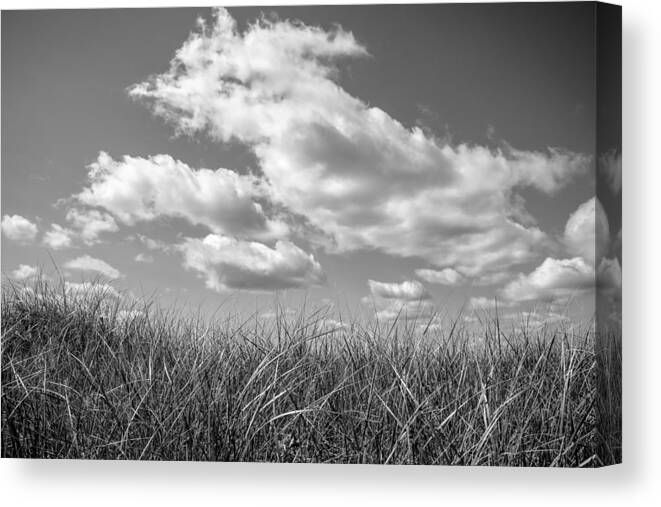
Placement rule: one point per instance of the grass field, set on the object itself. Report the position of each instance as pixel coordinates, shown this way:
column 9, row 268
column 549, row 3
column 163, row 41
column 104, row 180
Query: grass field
column 83, row 376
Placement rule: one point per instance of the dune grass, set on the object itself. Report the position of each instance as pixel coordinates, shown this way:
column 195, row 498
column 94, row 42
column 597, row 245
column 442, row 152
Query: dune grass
column 84, row 376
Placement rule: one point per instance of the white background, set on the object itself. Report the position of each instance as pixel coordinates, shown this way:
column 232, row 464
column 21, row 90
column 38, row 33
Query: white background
column 636, row 482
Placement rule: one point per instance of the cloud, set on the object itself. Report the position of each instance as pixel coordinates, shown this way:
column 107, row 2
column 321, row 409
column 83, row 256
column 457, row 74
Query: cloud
column 609, row 278
column 124, row 317
column 279, row 313
column 23, row 272
column 609, row 291
column 408, row 290
column 150, row 243
column 404, row 310
column 89, row 292
column 551, row 280
column 616, row 244
column 484, row 303
column 58, row 237
column 451, row 277
column 91, row 223
column 536, row 319
column 447, row 276
column 408, row 300
column 18, row 228
column 229, row 263
column 610, row 166
column 87, row 263
column 351, row 170
column 587, row 232
column 136, row 189
column 587, row 236
column 144, row 258
column 492, row 278
column 548, row 172
column 330, row 324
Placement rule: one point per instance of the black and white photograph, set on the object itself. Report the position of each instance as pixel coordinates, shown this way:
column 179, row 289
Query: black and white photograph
column 323, row 234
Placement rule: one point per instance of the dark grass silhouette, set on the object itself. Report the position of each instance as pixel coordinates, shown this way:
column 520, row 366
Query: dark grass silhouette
column 86, row 376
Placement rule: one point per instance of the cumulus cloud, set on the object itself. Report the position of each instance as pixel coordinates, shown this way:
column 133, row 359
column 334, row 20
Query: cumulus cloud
column 609, row 277
column 407, row 300
column 484, row 303
column 144, row 258
column 553, row 279
column 609, row 292
column 18, row 228
column 447, row 276
column 24, row 271
column 587, row 237
column 536, row 319
column 610, row 166
column 88, row 263
column 333, row 324
column 58, row 237
column 452, row 277
column 587, row 232
column 89, row 292
column 279, row 313
column 405, row 310
column 616, row 244
column 229, row 263
column 91, row 223
column 408, row 290
column 351, row 170
column 124, row 317
column 152, row 244
column 548, row 172
column 136, row 189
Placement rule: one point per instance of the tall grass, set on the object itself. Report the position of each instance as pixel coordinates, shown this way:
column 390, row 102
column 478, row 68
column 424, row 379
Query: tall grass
column 87, row 377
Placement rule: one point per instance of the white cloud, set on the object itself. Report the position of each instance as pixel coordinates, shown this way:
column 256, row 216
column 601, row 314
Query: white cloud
column 18, row 228
column 408, row 300
column 451, row 277
column 547, row 172
column 58, row 237
column 404, row 310
column 330, row 324
column 144, row 258
column 587, row 232
column 609, row 277
column 587, row 236
column 616, row 244
column 408, row 290
column 447, row 276
column 536, row 319
column 609, row 292
column 351, row 170
column 492, row 278
column 128, row 316
column 91, row 223
column 279, row 313
column 152, row 244
column 89, row 292
column 229, row 263
column 137, row 189
column 610, row 165
column 551, row 280
column 484, row 303
column 24, row 272
column 88, row 263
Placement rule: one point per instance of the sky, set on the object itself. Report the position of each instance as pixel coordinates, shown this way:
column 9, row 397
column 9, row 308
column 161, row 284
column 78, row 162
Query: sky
column 416, row 161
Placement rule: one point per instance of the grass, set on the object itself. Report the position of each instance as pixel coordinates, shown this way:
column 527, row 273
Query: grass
column 85, row 376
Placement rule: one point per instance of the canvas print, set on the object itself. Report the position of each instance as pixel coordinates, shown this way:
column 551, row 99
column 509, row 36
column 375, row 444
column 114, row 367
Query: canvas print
column 352, row 234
